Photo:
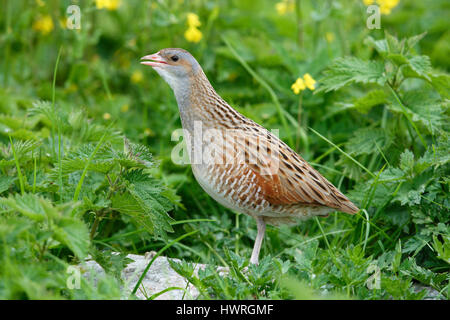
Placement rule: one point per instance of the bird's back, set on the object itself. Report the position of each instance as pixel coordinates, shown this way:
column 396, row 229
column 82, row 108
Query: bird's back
column 247, row 168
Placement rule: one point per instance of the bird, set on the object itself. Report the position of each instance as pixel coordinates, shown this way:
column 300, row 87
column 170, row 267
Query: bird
column 238, row 162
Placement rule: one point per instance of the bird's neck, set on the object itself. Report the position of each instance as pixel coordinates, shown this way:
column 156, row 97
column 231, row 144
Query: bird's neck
column 199, row 102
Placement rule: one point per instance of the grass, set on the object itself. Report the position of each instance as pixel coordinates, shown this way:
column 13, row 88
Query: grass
column 85, row 148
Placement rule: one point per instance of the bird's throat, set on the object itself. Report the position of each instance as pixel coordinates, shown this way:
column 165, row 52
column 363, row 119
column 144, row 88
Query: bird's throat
column 196, row 101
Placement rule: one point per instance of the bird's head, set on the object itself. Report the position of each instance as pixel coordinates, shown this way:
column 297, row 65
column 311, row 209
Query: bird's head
column 176, row 66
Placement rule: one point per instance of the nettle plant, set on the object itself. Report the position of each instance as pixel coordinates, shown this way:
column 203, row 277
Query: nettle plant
column 406, row 108
column 64, row 192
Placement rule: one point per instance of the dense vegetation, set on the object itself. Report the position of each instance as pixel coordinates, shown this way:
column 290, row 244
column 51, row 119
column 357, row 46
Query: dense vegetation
column 85, row 145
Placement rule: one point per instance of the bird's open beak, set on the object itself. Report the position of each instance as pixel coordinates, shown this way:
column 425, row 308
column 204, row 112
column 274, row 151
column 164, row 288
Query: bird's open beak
column 155, row 60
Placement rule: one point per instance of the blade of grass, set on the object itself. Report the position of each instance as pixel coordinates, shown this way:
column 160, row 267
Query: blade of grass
column 105, row 83
column 34, row 175
column 367, row 230
column 53, row 99
column 154, row 296
column 344, row 153
column 157, row 255
column 217, row 254
column 311, row 239
column 192, row 220
column 19, row 172
column 405, row 113
column 264, row 84
column 80, row 183
column 324, row 236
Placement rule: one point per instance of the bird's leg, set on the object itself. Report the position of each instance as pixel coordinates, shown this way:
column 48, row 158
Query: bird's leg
column 261, row 225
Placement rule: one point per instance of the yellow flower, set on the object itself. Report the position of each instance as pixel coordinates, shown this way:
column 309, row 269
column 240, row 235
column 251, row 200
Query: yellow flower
column 106, row 116
column 329, row 36
column 137, row 76
column 193, row 20
column 298, row 85
column 192, row 34
column 72, row 88
column 309, row 81
column 281, row 8
column 148, row 132
column 44, row 24
column 302, row 83
column 107, row 4
column 125, row 108
column 284, row 6
column 386, row 6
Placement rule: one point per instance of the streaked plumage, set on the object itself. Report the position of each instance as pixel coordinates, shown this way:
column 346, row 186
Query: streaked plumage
column 251, row 170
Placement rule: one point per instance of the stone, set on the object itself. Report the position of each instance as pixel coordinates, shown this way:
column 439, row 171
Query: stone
column 159, row 277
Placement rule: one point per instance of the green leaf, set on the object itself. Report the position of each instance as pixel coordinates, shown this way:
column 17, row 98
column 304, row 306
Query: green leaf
column 407, row 161
column 391, row 174
column 370, row 100
column 409, row 196
column 147, row 192
column 442, row 249
column 74, row 234
column 394, row 45
column 28, row 204
column 420, row 67
column 380, row 46
column 6, row 182
column 398, row 58
column 366, row 140
column 111, row 262
column 348, row 70
column 412, row 41
column 423, row 109
column 441, row 82
column 415, row 244
column 126, row 204
column 145, row 202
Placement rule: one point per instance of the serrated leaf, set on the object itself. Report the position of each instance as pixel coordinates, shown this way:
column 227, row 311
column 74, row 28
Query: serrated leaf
column 407, row 161
column 6, row 182
column 28, row 204
column 43, row 108
column 380, row 46
column 442, row 249
column 382, row 192
column 22, row 148
column 423, row 109
column 144, row 201
column 412, row 41
column 420, row 65
column 74, row 234
column 370, row 100
column 391, row 174
column 398, row 58
column 126, row 204
column 415, row 244
column 441, row 82
column 367, row 141
column 394, row 45
column 410, row 197
column 348, row 70
column 111, row 262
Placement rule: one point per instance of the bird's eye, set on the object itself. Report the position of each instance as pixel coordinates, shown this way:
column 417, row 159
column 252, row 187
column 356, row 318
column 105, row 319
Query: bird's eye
column 174, row 58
